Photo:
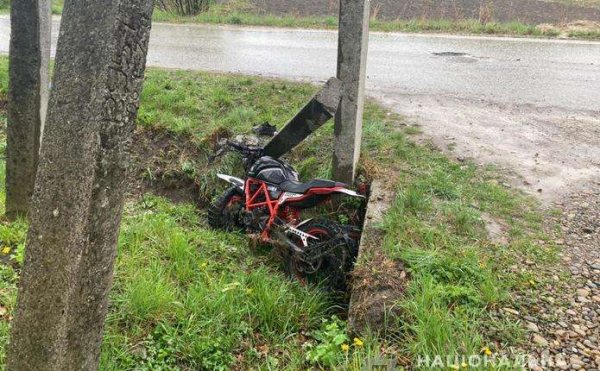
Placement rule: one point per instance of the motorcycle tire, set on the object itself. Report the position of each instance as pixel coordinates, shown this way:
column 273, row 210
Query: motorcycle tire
column 331, row 270
column 224, row 213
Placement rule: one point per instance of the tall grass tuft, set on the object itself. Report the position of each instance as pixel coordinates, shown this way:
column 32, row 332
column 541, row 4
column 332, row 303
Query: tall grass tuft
column 184, row 7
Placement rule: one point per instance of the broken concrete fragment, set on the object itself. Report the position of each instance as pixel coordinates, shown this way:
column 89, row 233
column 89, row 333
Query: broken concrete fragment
column 378, row 282
column 317, row 112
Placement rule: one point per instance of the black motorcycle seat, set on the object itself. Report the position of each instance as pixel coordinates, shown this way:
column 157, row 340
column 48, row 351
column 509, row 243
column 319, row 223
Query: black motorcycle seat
column 297, row 187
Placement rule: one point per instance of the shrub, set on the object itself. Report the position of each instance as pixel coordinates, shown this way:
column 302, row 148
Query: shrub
column 183, row 7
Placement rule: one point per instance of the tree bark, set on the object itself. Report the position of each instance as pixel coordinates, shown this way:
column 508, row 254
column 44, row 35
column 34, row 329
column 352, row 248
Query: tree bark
column 29, row 57
column 79, row 192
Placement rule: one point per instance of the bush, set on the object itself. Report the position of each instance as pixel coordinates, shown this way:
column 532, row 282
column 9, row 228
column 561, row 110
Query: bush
column 182, row 7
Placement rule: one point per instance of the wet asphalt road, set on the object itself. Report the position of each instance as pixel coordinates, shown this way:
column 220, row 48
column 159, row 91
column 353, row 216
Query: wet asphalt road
column 543, row 73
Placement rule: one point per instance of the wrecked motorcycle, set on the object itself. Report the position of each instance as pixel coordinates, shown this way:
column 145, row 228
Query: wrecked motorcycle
column 268, row 204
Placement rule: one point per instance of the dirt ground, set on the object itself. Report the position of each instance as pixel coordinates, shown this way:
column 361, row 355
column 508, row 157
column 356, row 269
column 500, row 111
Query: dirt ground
column 548, row 152
column 526, row 11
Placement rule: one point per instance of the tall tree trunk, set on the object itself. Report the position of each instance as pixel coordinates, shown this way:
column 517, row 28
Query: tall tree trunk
column 31, row 25
column 79, row 193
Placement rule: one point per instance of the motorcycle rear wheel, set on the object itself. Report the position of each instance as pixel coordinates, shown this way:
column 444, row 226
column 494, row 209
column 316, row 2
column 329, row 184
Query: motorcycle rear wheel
column 330, row 270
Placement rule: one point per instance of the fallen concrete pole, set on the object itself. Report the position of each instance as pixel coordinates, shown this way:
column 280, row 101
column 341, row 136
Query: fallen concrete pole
column 377, row 281
column 317, row 112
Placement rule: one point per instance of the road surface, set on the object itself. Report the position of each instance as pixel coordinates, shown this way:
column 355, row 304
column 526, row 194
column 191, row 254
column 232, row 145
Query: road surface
column 528, row 104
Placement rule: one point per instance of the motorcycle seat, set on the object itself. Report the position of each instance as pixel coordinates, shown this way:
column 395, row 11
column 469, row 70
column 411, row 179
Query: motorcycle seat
column 297, row 187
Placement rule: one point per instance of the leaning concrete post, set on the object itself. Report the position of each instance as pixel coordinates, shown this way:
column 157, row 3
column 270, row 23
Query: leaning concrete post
column 352, row 63
column 79, row 192
column 27, row 95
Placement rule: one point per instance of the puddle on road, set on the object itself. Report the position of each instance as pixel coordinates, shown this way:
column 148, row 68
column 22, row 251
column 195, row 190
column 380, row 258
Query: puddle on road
column 450, row 54
column 458, row 57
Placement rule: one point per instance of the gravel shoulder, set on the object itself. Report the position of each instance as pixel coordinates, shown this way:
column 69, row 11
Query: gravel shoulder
column 564, row 323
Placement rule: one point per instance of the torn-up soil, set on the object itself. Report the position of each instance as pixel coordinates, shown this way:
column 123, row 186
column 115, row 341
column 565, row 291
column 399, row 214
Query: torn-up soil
column 377, row 285
column 158, row 159
column 378, row 282
column 177, row 166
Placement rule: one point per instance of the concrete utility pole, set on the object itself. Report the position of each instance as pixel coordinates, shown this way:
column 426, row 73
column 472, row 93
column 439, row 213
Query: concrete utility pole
column 29, row 57
column 351, row 70
column 79, row 193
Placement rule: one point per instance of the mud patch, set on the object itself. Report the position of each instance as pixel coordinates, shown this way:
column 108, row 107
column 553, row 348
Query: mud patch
column 376, row 287
column 165, row 164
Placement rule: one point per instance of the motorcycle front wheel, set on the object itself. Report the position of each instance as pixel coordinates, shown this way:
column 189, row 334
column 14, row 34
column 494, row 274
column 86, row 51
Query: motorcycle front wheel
column 224, row 213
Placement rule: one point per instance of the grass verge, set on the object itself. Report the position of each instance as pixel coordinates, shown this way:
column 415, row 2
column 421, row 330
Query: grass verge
column 186, row 297
column 241, row 13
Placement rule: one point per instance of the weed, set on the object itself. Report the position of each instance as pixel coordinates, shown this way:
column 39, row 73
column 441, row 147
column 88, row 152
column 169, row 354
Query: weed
column 331, row 343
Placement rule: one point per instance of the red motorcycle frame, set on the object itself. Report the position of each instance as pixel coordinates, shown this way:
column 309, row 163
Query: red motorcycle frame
column 278, row 207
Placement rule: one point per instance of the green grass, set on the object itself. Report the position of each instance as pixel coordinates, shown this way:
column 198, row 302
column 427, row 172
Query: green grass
column 187, row 297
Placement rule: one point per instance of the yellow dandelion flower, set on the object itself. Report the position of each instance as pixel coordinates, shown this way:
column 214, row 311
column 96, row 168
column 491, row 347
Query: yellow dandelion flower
column 464, row 365
column 6, row 250
column 345, row 347
column 487, row 351
column 358, row 342
column 203, row 265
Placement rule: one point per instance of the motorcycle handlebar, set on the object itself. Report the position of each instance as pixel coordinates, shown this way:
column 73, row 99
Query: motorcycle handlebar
column 244, row 149
column 250, row 154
